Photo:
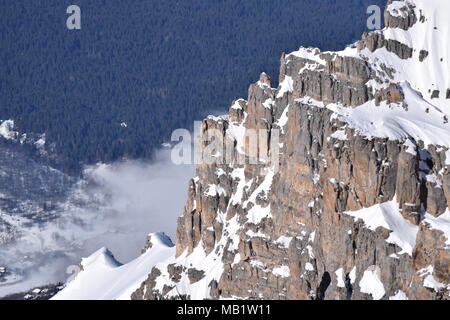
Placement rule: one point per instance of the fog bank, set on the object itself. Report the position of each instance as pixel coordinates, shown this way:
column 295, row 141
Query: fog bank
column 113, row 206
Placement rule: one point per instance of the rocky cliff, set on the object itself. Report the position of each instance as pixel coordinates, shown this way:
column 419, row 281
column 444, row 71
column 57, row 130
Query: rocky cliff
column 353, row 199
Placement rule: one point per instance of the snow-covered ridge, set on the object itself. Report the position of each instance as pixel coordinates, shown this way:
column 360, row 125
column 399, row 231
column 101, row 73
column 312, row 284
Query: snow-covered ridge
column 421, row 122
column 424, row 82
column 430, row 33
column 102, row 277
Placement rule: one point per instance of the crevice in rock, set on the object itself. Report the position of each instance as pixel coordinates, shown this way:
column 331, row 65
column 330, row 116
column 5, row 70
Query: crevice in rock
column 323, row 286
column 348, row 286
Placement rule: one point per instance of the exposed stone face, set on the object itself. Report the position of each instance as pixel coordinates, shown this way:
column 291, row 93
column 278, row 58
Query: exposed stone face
column 446, row 185
column 265, row 80
column 236, row 113
column 375, row 40
column 409, row 187
column 404, row 19
column 423, row 55
column 175, row 272
column 435, row 94
column 340, row 79
column 307, row 245
column 195, row 275
column 142, row 293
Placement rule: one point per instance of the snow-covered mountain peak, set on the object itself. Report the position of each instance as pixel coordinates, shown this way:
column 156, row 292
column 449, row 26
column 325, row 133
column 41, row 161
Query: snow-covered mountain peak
column 429, row 37
column 157, row 239
column 101, row 276
column 102, row 256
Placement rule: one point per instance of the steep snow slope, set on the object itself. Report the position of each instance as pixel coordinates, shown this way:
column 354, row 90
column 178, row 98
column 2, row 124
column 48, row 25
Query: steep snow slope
column 102, row 277
column 423, row 116
column 429, row 34
column 432, row 34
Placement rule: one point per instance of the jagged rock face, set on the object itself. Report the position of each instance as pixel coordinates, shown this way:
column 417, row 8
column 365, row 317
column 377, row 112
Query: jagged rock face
column 374, row 41
column 404, row 17
column 340, row 215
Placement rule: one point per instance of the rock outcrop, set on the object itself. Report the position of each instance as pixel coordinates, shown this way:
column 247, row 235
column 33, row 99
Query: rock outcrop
column 345, row 204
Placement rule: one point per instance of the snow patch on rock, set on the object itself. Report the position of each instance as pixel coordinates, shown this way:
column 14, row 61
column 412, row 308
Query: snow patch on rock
column 371, row 283
column 388, row 216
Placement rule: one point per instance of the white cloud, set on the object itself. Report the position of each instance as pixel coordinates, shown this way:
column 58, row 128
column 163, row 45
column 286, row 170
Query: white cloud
column 114, row 206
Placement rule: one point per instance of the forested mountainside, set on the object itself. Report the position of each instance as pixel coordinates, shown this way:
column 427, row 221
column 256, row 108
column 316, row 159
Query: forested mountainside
column 139, row 69
column 354, row 205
